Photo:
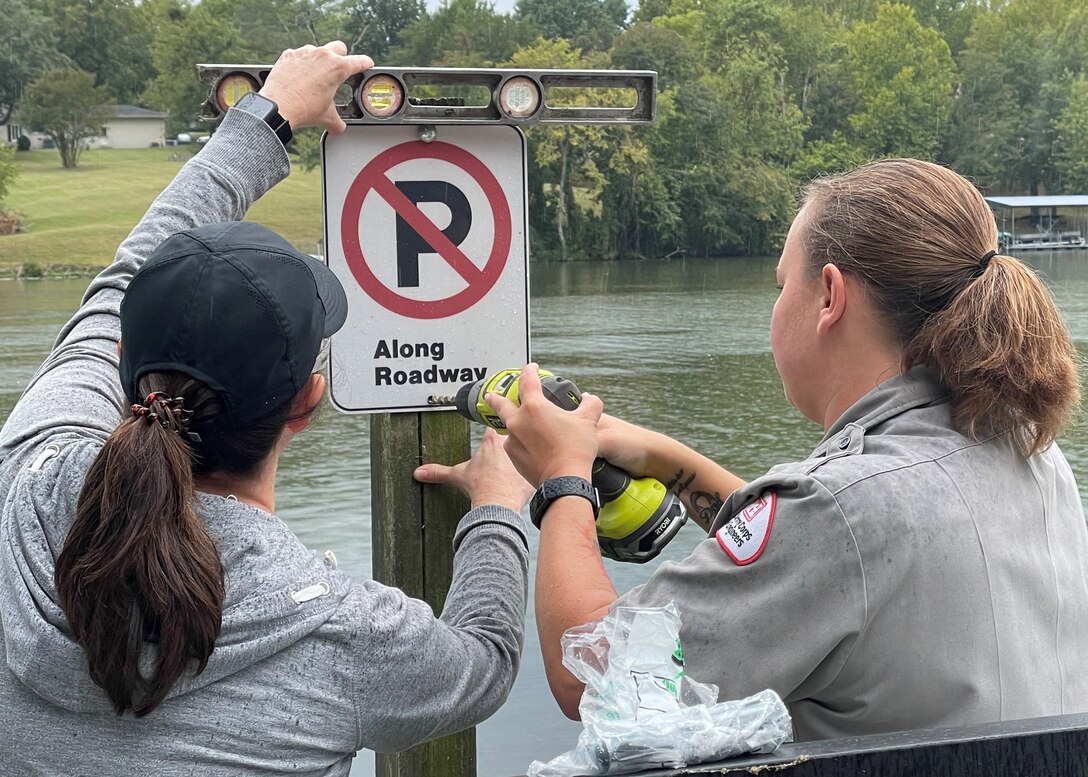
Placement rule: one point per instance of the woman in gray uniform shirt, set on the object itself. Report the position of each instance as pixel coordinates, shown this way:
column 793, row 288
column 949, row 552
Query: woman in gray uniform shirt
column 926, row 564
column 157, row 617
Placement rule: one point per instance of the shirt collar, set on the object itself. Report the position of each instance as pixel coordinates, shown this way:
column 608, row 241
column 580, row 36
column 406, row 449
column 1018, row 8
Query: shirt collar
column 916, row 387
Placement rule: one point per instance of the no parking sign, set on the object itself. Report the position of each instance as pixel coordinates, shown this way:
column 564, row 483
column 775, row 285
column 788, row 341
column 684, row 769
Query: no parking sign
column 429, row 240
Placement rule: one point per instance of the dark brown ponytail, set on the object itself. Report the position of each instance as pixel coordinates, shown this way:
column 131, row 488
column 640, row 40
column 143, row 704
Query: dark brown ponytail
column 138, row 565
column 921, row 238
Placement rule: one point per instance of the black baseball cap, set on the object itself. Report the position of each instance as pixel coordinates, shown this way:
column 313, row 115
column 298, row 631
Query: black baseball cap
column 236, row 307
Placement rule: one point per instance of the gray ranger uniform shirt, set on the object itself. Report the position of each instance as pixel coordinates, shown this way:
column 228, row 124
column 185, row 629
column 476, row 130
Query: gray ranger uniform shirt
column 310, row 666
column 902, row 576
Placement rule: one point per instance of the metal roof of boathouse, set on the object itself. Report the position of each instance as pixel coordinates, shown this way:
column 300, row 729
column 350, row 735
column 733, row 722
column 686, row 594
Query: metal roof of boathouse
column 1047, row 201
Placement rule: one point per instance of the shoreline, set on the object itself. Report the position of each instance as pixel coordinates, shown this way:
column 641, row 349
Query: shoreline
column 31, row 271
column 35, row 272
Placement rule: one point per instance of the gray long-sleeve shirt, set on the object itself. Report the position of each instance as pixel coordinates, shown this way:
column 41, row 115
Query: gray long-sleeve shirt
column 303, row 674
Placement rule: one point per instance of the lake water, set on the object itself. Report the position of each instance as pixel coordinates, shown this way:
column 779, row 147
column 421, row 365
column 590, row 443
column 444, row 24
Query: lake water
column 678, row 346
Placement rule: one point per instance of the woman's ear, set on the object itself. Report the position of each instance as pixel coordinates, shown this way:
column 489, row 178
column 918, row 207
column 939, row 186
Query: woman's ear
column 306, row 401
column 833, row 289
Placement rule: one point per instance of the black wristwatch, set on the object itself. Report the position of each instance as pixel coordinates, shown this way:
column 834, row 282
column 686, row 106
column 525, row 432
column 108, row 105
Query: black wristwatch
column 267, row 111
column 550, row 490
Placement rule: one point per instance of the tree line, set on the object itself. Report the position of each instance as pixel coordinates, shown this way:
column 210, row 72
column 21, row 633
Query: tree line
column 755, row 97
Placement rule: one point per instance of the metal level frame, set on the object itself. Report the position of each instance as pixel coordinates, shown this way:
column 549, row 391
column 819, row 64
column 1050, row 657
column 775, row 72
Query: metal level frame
column 416, row 109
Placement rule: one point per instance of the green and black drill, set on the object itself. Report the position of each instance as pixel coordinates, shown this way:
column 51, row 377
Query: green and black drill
column 638, row 516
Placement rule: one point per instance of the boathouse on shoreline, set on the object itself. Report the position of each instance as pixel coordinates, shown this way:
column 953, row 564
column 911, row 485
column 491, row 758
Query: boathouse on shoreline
column 1042, row 227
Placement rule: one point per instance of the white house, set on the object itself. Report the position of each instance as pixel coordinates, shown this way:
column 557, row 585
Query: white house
column 131, row 127
column 10, row 132
column 134, row 127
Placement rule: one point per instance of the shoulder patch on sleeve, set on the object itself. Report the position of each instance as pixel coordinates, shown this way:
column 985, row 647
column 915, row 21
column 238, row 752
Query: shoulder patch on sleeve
column 745, row 535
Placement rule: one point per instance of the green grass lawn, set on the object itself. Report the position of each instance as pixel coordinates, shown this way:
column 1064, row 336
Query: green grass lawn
column 73, row 220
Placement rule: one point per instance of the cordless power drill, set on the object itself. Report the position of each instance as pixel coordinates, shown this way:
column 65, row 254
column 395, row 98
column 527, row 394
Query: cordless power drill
column 638, row 516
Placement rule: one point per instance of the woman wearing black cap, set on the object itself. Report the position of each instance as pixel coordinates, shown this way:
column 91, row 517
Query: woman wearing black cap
column 157, row 616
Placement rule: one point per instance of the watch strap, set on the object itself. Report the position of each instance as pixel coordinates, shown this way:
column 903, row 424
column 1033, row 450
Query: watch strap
column 568, row 485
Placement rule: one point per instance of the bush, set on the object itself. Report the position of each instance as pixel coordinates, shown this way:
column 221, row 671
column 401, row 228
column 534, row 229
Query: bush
column 9, row 223
column 30, row 270
column 8, row 171
column 23, row 143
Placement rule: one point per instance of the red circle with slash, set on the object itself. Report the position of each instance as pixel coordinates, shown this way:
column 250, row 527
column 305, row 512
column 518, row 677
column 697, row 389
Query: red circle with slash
column 373, row 178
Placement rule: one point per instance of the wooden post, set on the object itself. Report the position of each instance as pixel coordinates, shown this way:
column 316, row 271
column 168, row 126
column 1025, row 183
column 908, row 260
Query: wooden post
column 412, row 528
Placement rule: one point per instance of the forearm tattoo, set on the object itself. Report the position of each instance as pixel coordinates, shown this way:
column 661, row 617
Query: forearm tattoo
column 704, row 504
column 678, row 484
column 707, row 505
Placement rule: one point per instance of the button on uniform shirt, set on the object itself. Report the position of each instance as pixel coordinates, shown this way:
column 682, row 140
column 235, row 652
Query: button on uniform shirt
column 902, row 576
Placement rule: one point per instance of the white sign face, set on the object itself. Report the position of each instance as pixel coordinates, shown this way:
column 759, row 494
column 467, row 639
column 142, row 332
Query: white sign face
column 429, row 241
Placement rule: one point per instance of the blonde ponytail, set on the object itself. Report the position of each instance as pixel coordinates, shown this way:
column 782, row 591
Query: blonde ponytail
column 1002, row 348
column 922, row 240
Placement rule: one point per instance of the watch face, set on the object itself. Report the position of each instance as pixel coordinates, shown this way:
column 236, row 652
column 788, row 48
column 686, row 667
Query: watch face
column 251, row 102
column 267, row 111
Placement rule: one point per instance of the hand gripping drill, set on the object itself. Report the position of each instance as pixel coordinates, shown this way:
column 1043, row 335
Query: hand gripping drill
column 637, row 517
